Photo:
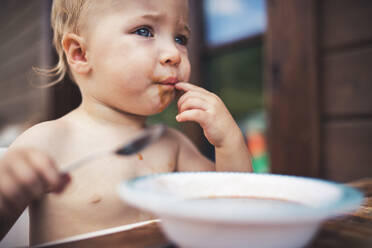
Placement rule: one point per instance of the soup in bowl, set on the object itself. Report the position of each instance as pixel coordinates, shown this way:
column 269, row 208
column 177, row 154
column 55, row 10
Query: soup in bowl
column 223, row 209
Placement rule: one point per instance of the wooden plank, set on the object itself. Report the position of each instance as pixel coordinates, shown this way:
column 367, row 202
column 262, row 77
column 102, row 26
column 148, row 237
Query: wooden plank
column 18, row 17
column 19, row 66
column 26, row 107
column 347, row 83
column 292, row 87
column 345, row 22
column 347, row 154
column 22, row 46
column 353, row 230
column 149, row 235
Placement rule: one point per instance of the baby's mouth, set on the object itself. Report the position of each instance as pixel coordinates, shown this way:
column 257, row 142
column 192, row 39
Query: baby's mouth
column 171, row 82
column 164, row 84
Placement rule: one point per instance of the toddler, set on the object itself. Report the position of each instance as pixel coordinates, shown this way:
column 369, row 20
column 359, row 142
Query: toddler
column 128, row 59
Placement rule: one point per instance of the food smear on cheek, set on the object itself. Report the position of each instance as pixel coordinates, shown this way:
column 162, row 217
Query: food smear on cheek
column 166, row 95
column 139, row 155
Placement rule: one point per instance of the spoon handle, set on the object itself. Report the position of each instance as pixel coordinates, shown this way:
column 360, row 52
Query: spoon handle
column 76, row 164
column 140, row 142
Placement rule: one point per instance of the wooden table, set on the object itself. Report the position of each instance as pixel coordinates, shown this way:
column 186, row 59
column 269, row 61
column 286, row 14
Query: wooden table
column 352, row 231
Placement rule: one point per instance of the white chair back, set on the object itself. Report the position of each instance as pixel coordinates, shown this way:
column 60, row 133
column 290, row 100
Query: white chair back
column 2, row 151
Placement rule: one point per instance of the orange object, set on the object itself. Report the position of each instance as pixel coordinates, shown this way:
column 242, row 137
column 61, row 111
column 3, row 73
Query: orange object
column 256, row 144
column 139, row 155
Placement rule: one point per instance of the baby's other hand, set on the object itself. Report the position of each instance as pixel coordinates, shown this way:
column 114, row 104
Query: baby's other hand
column 207, row 109
column 25, row 175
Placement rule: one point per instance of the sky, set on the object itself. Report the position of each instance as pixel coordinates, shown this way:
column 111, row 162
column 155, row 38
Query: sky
column 228, row 20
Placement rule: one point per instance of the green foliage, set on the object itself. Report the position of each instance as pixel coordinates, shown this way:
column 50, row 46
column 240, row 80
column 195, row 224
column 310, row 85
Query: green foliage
column 237, row 77
column 167, row 117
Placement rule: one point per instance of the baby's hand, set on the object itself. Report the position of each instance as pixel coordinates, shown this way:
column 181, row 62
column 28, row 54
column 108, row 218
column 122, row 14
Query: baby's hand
column 26, row 174
column 207, row 109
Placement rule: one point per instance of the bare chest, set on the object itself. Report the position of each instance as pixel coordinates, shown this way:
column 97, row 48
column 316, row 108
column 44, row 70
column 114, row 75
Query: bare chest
column 102, row 176
column 90, row 202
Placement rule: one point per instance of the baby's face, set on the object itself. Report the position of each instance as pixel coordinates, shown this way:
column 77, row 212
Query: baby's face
column 137, row 52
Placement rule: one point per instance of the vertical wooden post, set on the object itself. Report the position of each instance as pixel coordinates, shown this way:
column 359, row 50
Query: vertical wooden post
column 292, row 88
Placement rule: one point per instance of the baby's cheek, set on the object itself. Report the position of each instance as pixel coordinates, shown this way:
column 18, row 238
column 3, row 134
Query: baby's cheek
column 186, row 71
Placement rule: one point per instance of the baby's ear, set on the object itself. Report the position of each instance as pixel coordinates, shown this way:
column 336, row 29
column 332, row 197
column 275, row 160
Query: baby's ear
column 75, row 50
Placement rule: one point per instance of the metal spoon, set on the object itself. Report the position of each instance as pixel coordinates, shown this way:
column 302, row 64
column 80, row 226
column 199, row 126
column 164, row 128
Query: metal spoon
column 140, row 142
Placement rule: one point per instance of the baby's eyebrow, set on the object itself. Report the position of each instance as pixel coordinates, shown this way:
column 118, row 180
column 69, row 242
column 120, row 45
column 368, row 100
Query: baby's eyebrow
column 153, row 17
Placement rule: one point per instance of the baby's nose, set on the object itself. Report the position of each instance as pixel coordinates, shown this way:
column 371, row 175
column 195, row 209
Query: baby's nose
column 170, row 56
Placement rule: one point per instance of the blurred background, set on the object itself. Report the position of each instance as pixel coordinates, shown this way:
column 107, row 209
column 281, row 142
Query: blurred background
column 295, row 74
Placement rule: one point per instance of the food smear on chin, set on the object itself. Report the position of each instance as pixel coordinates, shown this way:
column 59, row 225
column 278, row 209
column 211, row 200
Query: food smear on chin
column 166, row 95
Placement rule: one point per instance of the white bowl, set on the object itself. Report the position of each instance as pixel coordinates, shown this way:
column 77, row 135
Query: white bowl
column 191, row 217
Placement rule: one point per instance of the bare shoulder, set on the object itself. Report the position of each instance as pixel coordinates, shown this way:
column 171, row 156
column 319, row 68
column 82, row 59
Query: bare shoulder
column 42, row 135
column 189, row 157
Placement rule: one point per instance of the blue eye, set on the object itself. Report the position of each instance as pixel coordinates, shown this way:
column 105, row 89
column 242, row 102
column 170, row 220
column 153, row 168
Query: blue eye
column 145, row 32
column 182, row 40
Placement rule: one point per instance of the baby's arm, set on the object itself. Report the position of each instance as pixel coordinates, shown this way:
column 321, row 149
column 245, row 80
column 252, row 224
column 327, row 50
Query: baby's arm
column 25, row 175
column 207, row 109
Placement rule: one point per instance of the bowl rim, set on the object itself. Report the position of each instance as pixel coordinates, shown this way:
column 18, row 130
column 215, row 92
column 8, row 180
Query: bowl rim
column 166, row 206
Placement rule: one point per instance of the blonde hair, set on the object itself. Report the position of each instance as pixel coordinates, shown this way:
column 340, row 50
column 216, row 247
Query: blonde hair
column 65, row 17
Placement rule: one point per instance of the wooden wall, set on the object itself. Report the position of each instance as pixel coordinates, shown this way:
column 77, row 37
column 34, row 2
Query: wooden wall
column 345, row 44
column 23, row 44
column 319, row 87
